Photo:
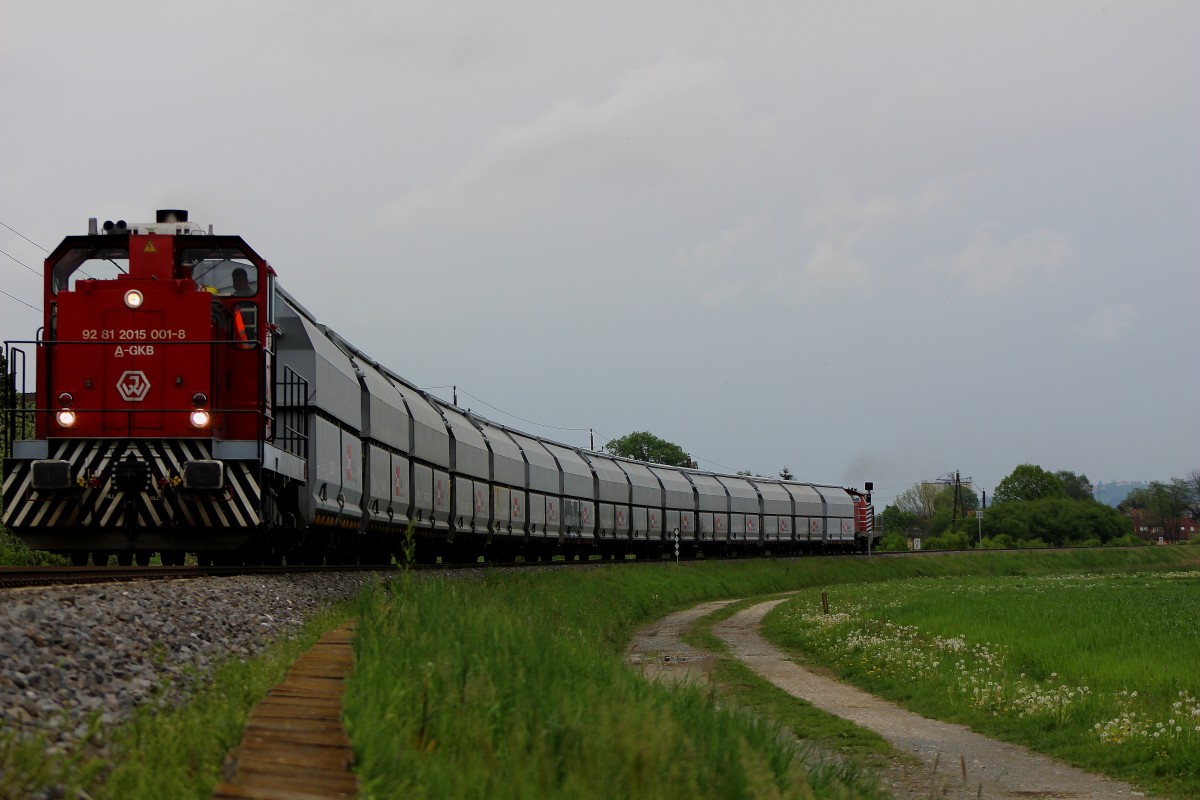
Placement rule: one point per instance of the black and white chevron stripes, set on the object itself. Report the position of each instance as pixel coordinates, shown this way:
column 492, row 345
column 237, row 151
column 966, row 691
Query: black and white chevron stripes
column 96, row 503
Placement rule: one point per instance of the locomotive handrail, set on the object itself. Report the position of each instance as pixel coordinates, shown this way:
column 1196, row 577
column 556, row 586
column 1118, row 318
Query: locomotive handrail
column 251, row 344
column 291, row 413
column 19, row 419
column 15, row 415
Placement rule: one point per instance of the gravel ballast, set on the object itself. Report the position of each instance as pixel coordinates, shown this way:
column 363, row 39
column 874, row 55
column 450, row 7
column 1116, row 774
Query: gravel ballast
column 72, row 653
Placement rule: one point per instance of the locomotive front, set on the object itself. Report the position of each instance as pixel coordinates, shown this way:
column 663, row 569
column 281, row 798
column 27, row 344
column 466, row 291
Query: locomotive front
column 152, row 396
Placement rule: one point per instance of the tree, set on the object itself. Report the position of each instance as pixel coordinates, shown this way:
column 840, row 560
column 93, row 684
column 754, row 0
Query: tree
column 1163, row 504
column 786, row 474
column 645, row 446
column 895, row 520
column 1055, row 521
column 1028, row 482
column 1077, row 487
column 1167, row 503
column 920, row 500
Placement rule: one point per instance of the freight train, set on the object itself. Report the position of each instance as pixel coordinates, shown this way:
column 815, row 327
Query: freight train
column 183, row 401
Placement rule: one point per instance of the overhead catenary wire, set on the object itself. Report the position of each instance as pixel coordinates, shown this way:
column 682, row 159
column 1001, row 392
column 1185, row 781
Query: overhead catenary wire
column 19, row 300
column 31, row 269
column 506, row 413
column 23, row 236
column 22, row 263
column 603, row 437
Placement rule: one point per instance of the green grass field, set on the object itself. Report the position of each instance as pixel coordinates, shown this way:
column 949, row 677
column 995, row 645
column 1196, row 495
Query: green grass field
column 513, row 686
column 1101, row 670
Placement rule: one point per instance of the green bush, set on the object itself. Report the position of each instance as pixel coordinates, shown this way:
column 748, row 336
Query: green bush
column 950, row 540
column 893, row 542
column 15, row 553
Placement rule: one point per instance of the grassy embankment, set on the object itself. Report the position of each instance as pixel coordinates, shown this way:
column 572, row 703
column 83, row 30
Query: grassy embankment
column 175, row 752
column 514, row 686
column 1100, row 670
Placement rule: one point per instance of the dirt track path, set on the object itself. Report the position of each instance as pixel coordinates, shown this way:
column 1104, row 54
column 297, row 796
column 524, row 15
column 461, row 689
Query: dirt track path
column 955, row 763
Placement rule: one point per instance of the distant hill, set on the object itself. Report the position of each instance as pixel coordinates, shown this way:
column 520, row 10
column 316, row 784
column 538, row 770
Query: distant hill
column 1114, row 492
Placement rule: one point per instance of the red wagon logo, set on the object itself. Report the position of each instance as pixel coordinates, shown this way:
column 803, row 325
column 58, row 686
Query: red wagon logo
column 133, row 386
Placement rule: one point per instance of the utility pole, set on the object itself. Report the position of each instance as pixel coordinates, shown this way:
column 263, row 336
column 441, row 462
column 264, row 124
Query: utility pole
column 957, row 505
column 979, row 514
column 870, row 486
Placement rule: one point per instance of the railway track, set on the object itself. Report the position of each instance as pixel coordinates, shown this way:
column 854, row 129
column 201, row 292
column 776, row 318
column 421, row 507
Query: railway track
column 16, row 577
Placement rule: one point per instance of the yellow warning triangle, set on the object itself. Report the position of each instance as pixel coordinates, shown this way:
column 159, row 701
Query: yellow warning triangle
column 150, row 248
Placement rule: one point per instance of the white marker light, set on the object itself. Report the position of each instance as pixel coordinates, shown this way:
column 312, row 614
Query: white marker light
column 66, row 418
column 200, row 418
column 134, row 299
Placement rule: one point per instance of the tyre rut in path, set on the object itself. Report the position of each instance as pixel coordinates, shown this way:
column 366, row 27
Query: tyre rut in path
column 955, row 762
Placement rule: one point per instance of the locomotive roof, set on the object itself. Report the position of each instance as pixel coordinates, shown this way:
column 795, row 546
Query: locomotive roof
column 114, row 243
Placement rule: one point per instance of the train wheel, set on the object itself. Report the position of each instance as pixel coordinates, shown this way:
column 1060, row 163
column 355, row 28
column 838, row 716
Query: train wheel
column 100, row 558
column 142, row 557
column 204, row 559
column 124, row 558
column 79, row 558
column 172, row 558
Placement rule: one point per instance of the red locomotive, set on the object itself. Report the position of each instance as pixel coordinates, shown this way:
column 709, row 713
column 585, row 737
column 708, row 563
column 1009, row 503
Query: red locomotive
column 153, row 369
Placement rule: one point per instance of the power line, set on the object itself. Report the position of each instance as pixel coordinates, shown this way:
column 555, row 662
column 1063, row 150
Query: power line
column 23, row 236
column 557, row 427
column 19, row 300
column 522, row 419
column 22, row 263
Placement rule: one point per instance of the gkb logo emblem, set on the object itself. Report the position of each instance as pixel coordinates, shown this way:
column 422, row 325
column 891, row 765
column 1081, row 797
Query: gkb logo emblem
column 133, row 386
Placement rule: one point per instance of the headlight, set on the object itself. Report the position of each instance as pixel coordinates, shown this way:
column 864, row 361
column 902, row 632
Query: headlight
column 134, row 299
column 200, row 418
column 66, row 417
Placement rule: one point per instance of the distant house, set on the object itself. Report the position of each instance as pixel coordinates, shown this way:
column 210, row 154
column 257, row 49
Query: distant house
column 1150, row 528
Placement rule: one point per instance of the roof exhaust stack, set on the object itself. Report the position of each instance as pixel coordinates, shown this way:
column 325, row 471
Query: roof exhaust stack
column 167, row 216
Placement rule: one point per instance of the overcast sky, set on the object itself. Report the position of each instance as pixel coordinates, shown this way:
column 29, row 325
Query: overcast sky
column 868, row 241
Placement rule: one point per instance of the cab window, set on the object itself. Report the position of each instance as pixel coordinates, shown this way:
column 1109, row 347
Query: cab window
column 226, row 277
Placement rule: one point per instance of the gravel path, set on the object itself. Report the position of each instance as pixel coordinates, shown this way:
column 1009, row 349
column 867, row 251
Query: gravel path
column 955, row 762
column 104, row 649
